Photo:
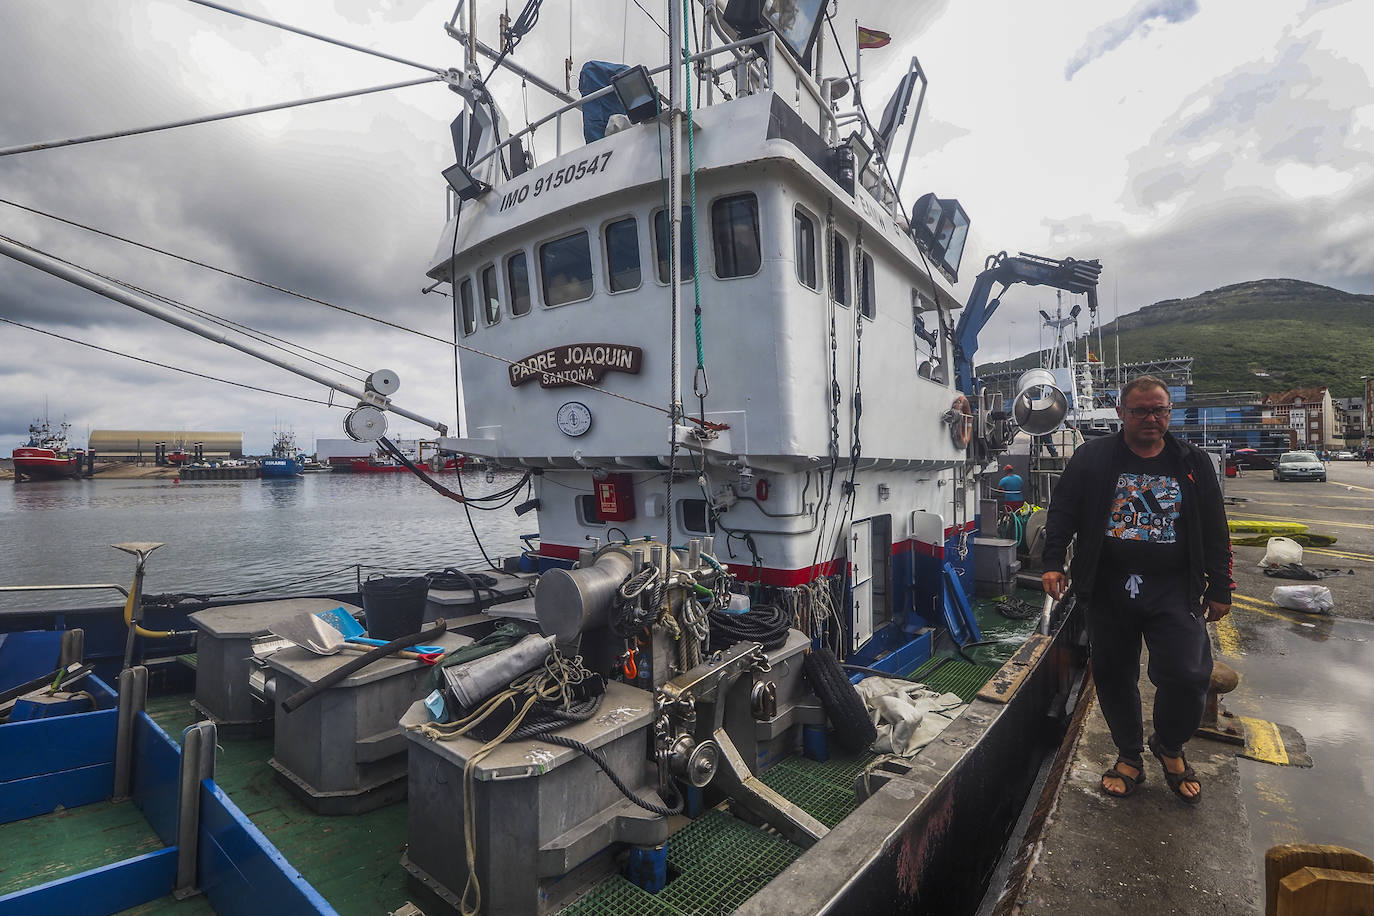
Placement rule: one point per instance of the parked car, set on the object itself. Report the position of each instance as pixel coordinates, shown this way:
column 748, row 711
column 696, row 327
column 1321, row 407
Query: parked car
column 1346, row 456
column 1299, row 466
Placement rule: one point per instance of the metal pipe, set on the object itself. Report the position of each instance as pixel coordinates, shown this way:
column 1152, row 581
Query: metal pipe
column 133, row 699
column 95, row 284
column 197, row 765
column 470, row 39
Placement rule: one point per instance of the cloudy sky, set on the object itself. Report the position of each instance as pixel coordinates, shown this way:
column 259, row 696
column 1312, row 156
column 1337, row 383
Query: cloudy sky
column 1186, row 144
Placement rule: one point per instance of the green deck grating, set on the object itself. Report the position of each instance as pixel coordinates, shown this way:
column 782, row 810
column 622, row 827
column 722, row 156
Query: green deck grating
column 823, row 790
column 954, row 675
column 719, row 863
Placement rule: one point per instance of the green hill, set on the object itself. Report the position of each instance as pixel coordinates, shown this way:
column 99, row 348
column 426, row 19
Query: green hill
column 1300, row 334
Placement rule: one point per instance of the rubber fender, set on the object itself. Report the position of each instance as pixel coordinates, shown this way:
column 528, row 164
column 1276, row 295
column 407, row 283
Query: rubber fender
column 845, row 709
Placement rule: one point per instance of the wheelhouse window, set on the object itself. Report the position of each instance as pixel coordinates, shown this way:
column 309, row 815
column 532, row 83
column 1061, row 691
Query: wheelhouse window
column 804, row 247
column 566, row 268
column 735, row 236
column 518, row 279
column 491, row 295
column 839, row 270
column 466, row 306
column 587, row 512
column 661, row 250
column 867, row 301
column 696, row 517
column 622, row 255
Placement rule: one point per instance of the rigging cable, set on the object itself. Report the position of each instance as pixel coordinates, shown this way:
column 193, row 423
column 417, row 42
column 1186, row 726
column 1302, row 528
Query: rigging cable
column 206, row 119
column 253, row 333
column 701, row 383
column 280, row 394
column 333, row 41
column 221, row 270
column 560, row 376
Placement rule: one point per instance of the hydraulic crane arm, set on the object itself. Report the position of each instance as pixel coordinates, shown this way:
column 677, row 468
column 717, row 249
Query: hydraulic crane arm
column 1069, row 275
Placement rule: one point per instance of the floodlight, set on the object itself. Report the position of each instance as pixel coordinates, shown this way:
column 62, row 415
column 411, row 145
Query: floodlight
column 463, row 184
column 636, row 92
column 863, row 153
column 940, row 225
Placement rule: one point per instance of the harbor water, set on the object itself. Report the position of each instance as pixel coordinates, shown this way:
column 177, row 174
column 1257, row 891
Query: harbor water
column 231, row 536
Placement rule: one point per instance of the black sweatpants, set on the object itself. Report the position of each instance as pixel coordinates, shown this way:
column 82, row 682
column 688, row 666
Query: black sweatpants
column 1156, row 607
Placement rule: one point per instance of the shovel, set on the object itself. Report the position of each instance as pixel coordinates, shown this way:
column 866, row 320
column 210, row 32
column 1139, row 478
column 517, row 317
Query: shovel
column 314, row 635
column 352, row 631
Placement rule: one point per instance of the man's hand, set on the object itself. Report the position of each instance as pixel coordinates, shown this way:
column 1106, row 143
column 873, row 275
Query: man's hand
column 1053, row 583
column 1217, row 610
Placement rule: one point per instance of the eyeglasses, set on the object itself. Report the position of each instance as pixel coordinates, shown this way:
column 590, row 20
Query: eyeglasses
column 1159, row 413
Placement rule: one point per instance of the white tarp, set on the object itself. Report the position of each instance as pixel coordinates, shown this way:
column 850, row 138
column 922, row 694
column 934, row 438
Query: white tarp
column 908, row 716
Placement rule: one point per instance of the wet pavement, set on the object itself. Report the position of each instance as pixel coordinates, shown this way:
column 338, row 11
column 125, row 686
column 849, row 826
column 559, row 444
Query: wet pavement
column 1150, row 853
column 1312, row 672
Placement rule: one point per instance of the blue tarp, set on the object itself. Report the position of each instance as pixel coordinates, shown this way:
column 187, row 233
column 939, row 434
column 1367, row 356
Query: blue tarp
column 596, row 74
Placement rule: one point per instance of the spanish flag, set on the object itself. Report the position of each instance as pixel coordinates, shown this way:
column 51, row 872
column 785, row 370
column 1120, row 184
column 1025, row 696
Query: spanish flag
column 872, row 38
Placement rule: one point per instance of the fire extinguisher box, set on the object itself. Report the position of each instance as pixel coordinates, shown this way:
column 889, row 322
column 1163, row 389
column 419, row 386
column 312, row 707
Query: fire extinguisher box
column 615, row 498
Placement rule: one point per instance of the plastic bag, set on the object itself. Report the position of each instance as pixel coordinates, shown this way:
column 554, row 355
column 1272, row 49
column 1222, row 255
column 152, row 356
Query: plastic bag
column 1314, row 599
column 1281, row 552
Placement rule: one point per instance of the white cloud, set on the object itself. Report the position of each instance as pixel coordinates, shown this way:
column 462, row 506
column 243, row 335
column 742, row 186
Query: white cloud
column 1195, row 145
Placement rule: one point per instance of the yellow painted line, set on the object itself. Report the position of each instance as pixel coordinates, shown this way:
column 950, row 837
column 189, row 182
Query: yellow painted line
column 1266, row 609
column 1340, row 554
column 1308, row 522
column 1262, row 741
column 1228, row 639
column 1355, row 486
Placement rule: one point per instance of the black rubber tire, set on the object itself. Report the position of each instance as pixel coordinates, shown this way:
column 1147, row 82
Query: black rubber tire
column 854, row 731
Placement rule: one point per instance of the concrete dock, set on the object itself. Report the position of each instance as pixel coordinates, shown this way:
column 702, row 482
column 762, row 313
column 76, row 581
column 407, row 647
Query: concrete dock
column 1151, row 853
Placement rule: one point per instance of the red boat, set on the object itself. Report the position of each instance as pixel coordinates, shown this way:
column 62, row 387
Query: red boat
column 46, row 455
column 375, row 465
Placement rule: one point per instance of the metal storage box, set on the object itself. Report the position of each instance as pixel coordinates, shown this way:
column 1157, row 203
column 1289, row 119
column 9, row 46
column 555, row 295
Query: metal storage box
column 542, row 810
column 995, row 566
column 343, row 753
column 460, row 602
column 224, row 659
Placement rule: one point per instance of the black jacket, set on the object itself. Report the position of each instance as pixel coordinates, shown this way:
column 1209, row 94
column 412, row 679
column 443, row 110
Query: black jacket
column 1082, row 501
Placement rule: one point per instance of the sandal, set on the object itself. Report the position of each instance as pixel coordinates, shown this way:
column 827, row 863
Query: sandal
column 1130, row 782
column 1176, row 780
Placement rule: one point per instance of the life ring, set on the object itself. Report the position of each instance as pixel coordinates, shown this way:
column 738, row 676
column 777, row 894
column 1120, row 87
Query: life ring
column 761, row 490
column 960, row 422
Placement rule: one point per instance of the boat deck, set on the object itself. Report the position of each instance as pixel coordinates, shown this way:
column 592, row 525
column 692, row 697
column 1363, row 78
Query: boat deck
column 353, row 861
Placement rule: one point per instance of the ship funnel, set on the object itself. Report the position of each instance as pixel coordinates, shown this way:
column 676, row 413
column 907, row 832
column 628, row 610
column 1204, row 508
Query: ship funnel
column 1039, row 406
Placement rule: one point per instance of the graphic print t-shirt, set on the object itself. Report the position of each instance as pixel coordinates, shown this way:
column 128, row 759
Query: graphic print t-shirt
column 1144, row 528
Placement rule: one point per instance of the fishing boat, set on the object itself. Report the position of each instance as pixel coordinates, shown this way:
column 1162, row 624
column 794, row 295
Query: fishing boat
column 284, row 460
column 669, row 331
column 46, row 455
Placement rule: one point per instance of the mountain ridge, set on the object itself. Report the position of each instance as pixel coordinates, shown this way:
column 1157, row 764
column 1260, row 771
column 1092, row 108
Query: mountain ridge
column 1265, row 335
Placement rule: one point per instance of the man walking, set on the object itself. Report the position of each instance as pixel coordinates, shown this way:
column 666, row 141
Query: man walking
column 1153, row 561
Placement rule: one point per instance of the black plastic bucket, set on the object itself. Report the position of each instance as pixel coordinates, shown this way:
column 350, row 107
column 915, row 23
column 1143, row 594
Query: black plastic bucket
column 394, row 607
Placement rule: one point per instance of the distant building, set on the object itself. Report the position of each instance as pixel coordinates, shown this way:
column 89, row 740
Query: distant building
column 154, row 445
column 1353, row 426
column 1311, row 414
column 1231, row 419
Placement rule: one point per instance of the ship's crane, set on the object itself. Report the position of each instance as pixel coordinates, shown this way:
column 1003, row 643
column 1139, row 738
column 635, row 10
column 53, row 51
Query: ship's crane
column 1070, row 275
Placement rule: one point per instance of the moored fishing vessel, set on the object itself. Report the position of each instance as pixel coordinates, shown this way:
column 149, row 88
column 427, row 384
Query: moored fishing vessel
column 285, row 460
column 707, row 563
column 46, row 455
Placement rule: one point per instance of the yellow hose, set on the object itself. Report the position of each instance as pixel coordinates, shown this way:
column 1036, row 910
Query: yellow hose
column 129, row 619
